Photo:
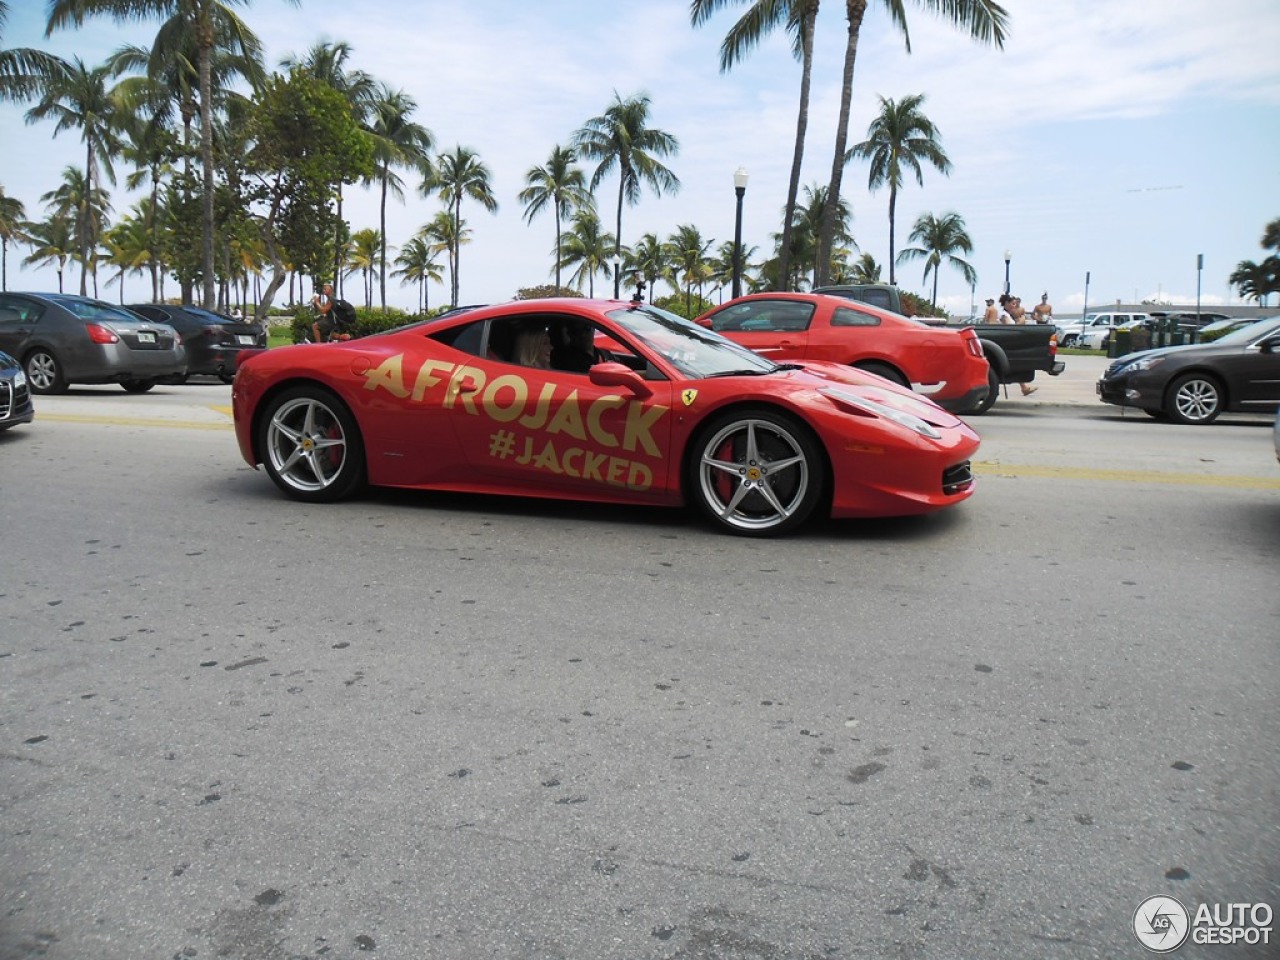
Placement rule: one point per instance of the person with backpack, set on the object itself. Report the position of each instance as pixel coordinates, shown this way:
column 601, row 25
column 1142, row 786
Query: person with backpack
column 334, row 318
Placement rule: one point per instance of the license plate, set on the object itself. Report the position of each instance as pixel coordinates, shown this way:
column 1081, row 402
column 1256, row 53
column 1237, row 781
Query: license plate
column 244, row 339
column 146, row 337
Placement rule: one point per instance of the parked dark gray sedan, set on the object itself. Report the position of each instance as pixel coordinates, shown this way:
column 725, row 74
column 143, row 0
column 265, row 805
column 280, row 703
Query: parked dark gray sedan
column 62, row 339
column 212, row 341
column 15, row 394
column 1193, row 384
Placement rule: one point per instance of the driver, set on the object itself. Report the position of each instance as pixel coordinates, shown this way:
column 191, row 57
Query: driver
column 573, row 346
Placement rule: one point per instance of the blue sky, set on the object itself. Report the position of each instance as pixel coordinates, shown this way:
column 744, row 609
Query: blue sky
column 1119, row 140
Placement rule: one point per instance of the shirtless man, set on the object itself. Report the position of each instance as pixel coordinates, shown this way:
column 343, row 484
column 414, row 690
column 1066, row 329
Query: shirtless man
column 993, row 313
column 1043, row 312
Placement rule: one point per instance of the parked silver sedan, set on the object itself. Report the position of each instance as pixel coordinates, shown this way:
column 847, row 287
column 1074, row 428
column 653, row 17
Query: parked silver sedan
column 62, row 339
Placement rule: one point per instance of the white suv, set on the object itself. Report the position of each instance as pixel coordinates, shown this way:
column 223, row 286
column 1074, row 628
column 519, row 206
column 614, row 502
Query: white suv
column 1094, row 329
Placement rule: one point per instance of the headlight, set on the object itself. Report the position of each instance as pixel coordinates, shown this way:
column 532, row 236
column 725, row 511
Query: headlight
column 1143, row 363
column 870, row 407
column 20, row 380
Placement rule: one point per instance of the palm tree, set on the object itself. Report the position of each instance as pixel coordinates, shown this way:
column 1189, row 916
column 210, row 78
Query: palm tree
column 865, row 270
column 587, row 247
column 52, row 243
column 1257, row 281
column 807, row 224
column 651, row 258
column 12, row 219
column 87, row 209
column 900, row 137
column 800, row 17
column 455, row 176
column 557, row 184
column 689, row 259
column 126, row 248
column 622, row 137
column 78, row 98
column 363, row 256
column 417, row 263
column 940, row 238
column 205, row 20
column 23, row 71
column 326, row 62
column 442, row 235
column 397, row 142
column 986, row 22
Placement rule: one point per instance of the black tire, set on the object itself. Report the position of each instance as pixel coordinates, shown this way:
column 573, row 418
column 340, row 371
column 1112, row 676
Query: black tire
column 883, row 370
column 44, row 373
column 311, row 445
column 137, row 386
column 756, row 472
column 1194, row 398
column 226, row 377
column 993, row 393
column 1069, row 339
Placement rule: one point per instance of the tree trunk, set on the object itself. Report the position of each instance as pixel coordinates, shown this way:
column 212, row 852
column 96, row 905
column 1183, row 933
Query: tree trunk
column 797, row 159
column 827, row 229
column 382, row 274
column 893, row 203
column 206, row 157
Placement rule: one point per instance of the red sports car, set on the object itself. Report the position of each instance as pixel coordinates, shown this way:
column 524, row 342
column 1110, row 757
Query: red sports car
column 603, row 401
column 945, row 365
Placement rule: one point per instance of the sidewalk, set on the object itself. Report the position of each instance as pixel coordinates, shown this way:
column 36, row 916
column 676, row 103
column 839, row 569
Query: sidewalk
column 1075, row 386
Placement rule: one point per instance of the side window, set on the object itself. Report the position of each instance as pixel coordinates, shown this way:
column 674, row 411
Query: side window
column 466, row 338
column 742, row 316
column 848, row 317
column 877, row 298
column 17, row 309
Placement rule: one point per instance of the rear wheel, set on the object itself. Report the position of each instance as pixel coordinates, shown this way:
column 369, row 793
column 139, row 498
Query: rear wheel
column 1194, row 398
column 44, row 373
column 993, row 393
column 886, row 371
column 756, row 472
column 311, row 446
column 137, row 386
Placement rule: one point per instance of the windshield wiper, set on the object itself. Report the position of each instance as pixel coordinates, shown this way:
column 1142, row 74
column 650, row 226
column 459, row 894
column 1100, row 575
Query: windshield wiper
column 738, row 373
column 787, row 366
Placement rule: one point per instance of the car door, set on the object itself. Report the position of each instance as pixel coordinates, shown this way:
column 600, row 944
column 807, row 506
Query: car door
column 1253, row 374
column 777, row 328
column 18, row 317
column 554, row 432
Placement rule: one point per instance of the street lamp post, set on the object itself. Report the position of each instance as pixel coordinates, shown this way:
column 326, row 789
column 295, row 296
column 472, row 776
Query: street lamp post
column 1199, row 275
column 1007, row 257
column 615, row 261
column 1084, row 312
column 739, row 188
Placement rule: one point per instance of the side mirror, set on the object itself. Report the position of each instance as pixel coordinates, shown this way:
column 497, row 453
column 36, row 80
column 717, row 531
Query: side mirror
column 619, row 375
column 1270, row 345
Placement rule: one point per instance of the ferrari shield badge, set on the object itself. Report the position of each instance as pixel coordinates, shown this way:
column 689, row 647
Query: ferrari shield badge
column 688, row 396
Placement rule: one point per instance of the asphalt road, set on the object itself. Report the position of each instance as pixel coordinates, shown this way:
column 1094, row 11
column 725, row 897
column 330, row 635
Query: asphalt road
column 418, row 726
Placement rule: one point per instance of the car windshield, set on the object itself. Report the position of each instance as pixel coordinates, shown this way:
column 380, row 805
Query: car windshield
column 693, row 350
column 97, row 310
column 1246, row 335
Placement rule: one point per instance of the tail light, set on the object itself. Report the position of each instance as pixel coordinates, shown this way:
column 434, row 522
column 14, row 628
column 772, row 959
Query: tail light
column 1053, row 345
column 970, row 337
column 100, row 334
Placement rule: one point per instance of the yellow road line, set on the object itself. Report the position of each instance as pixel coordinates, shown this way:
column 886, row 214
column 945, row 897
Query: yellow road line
column 996, row 469
column 130, row 421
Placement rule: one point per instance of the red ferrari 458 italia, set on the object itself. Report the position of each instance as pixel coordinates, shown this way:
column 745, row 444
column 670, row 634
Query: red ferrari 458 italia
column 601, row 401
column 947, row 366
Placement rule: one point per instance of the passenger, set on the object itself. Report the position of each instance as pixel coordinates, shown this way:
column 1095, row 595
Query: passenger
column 574, row 346
column 533, row 348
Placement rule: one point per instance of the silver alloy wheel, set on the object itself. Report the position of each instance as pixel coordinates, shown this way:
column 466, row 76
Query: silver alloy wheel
column 1197, row 400
column 754, row 475
column 42, row 371
column 306, row 444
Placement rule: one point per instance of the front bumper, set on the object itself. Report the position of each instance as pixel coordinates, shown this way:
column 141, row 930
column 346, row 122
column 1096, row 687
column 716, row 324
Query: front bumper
column 15, row 405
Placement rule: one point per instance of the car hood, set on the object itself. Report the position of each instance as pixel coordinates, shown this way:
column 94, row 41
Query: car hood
column 813, row 376
column 1192, row 349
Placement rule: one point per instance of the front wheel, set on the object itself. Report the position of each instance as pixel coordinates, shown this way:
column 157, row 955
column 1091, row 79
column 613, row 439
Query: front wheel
column 137, row 386
column 756, row 472
column 1194, row 399
column 311, row 446
column 44, row 373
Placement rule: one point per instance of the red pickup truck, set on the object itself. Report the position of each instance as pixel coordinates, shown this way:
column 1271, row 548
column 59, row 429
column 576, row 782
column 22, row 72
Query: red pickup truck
column 946, row 365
